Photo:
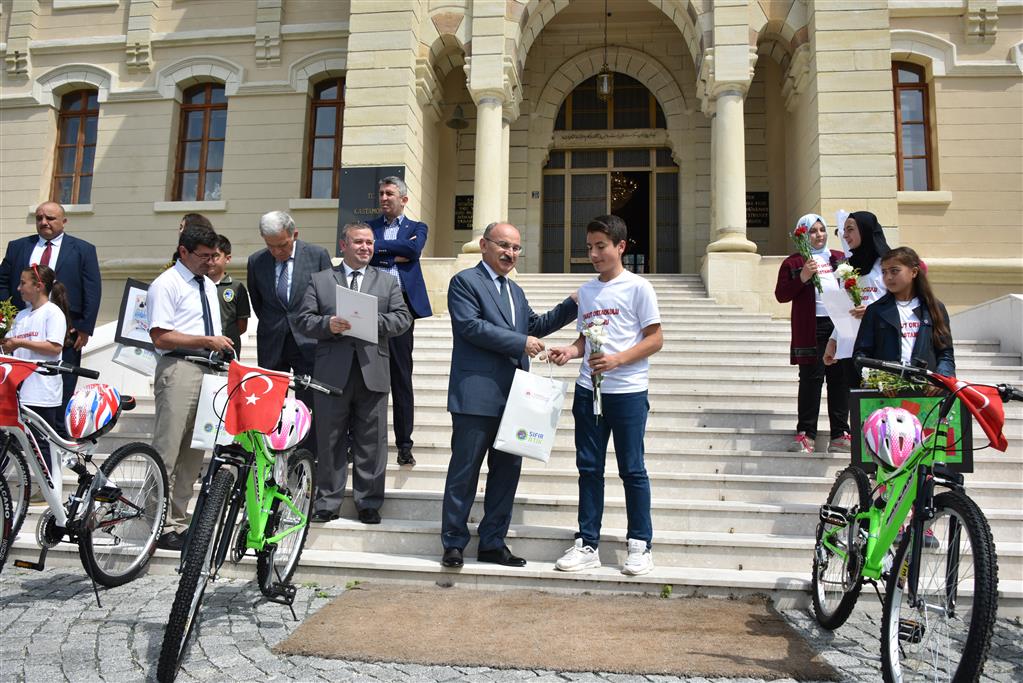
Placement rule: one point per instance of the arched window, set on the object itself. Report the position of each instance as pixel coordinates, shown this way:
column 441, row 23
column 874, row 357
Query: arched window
column 631, row 106
column 323, row 157
column 200, row 164
column 76, row 148
column 912, row 127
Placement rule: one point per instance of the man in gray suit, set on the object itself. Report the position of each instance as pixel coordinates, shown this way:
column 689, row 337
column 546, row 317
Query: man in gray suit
column 495, row 332
column 277, row 279
column 361, row 369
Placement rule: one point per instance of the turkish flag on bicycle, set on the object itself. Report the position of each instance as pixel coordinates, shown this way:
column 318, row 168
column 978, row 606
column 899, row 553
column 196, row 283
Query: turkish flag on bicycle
column 254, row 398
column 984, row 403
column 13, row 372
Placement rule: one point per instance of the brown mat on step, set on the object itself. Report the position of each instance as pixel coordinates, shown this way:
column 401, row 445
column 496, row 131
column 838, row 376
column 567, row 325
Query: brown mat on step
column 534, row 630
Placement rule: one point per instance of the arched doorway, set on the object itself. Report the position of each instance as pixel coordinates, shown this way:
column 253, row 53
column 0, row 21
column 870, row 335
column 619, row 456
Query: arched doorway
column 610, row 157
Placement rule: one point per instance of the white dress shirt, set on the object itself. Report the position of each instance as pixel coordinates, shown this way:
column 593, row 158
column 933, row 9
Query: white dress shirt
column 173, row 303
column 37, row 251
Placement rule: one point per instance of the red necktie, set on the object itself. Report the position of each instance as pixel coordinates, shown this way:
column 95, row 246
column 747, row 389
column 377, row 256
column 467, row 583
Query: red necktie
column 45, row 260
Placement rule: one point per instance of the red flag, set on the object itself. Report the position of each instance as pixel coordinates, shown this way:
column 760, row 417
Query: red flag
column 985, row 404
column 255, row 398
column 13, row 372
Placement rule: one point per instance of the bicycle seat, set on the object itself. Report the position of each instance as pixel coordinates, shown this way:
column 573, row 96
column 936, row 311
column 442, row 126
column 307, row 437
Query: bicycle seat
column 128, row 402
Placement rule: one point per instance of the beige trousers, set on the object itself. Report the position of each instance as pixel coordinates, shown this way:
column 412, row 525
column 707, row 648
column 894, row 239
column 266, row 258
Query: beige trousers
column 176, row 388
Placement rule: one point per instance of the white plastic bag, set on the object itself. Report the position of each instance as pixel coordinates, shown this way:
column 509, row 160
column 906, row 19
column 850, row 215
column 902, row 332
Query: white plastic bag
column 209, row 414
column 530, row 419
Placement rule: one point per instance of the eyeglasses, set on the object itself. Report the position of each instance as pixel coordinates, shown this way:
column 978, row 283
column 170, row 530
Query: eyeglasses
column 507, row 246
column 205, row 257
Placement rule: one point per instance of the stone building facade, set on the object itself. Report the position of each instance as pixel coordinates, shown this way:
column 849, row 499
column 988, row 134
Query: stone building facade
column 728, row 120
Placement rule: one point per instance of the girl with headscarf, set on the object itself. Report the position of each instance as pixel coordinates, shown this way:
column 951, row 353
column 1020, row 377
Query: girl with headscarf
column 811, row 330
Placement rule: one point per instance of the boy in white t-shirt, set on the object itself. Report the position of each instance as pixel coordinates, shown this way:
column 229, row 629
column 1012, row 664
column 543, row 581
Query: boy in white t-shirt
column 619, row 309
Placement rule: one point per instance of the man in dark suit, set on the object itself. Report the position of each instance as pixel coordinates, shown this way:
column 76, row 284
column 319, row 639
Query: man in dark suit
column 495, row 332
column 77, row 268
column 399, row 242
column 277, row 278
column 361, row 369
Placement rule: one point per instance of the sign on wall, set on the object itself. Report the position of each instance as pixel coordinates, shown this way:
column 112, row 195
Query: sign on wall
column 359, row 202
column 758, row 210
column 463, row 212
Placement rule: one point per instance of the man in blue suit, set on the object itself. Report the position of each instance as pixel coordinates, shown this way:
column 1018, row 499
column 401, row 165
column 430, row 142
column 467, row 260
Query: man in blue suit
column 399, row 242
column 495, row 332
column 77, row 268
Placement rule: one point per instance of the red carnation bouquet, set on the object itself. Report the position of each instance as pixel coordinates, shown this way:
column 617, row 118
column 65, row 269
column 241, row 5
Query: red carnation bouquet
column 801, row 236
column 849, row 280
column 8, row 312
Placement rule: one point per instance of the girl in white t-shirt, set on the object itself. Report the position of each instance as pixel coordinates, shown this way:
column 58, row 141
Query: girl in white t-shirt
column 39, row 333
column 624, row 307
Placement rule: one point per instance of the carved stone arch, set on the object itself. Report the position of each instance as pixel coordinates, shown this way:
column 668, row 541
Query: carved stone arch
column 644, row 68
column 173, row 79
column 312, row 68
column 936, row 54
column 54, row 84
column 538, row 13
column 447, row 53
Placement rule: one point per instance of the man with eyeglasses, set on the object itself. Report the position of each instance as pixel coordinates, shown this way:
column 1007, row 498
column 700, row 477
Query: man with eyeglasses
column 495, row 332
column 184, row 319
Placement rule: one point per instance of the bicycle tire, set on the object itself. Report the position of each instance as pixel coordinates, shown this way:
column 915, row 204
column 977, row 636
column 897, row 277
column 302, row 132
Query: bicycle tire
column 278, row 563
column 19, row 483
column 115, row 545
column 831, row 606
column 921, row 643
column 6, row 522
column 205, row 536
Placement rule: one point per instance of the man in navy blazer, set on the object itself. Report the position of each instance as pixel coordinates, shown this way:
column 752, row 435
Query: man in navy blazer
column 399, row 242
column 77, row 268
column 277, row 278
column 495, row 332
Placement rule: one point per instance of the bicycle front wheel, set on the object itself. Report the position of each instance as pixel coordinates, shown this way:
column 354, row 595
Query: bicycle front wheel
column 946, row 635
column 6, row 520
column 278, row 562
column 199, row 565
column 836, row 580
column 19, row 482
column 119, row 535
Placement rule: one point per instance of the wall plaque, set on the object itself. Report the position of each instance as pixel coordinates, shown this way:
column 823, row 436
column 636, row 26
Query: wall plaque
column 359, row 202
column 463, row 212
column 758, row 210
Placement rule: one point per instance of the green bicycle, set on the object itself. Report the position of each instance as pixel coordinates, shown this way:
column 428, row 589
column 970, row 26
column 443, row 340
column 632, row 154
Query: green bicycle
column 274, row 482
column 939, row 568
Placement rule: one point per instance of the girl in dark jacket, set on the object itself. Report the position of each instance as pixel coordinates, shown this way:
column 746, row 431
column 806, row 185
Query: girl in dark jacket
column 908, row 324
column 811, row 328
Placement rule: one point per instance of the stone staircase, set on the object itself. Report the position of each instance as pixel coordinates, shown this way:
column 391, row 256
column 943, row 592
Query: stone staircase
column 733, row 512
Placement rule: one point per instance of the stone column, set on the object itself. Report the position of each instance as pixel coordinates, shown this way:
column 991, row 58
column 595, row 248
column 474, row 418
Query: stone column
column 487, row 183
column 505, row 163
column 728, row 145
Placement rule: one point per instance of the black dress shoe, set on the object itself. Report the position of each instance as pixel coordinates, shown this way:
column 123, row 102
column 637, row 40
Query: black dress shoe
column 405, row 457
column 501, row 555
column 172, row 540
column 322, row 517
column 452, row 557
column 369, row 516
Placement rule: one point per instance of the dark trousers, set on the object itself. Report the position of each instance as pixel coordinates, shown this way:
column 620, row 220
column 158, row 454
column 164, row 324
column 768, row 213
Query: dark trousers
column 49, row 414
column 69, row 355
column 294, row 361
column 354, row 423
column 472, row 437
column 402, row 399
column 811, row 379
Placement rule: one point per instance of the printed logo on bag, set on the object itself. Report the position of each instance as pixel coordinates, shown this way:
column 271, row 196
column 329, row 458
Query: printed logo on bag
column 530, row 437
column 208, row 427
column 521, row 435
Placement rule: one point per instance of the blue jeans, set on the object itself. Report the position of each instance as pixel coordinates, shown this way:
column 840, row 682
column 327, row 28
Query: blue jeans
column 624, row 418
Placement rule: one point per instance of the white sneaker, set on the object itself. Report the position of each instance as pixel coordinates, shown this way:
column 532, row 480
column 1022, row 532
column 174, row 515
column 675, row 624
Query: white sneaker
column 640, row 559
column 578, row 557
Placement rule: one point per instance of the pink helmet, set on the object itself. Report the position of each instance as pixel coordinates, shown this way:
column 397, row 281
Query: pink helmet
column 292, row 427
column 891, row 435
column 92, row 411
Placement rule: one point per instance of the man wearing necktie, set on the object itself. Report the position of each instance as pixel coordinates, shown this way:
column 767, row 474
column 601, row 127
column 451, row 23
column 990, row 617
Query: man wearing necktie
column 495, row 332
column 355, row 422
column 277, row 279
column 77, row 268
column 184, row 318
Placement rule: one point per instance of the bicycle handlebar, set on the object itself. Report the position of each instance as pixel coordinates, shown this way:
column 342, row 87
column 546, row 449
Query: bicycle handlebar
column 56, row 367
column 216, row 362
column 1006, row 391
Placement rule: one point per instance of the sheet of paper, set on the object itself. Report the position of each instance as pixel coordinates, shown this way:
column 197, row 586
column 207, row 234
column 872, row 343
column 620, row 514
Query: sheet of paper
column 360, row 310
column 838, row 303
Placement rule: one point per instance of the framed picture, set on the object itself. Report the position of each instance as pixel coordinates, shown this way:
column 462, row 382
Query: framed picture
column 958, row 448
column 132, row 326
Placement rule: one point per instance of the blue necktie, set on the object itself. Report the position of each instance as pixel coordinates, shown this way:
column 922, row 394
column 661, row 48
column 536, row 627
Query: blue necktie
column 207, row 317
column 282, row 284
column 504, row 295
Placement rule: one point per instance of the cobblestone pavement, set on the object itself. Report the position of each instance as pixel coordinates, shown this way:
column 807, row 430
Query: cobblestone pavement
column 51, row 630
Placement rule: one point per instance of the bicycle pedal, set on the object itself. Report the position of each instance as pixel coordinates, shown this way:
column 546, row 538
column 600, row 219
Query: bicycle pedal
column 35, row 566
column 281, row 593
column 911, row 631
column 107, row 494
